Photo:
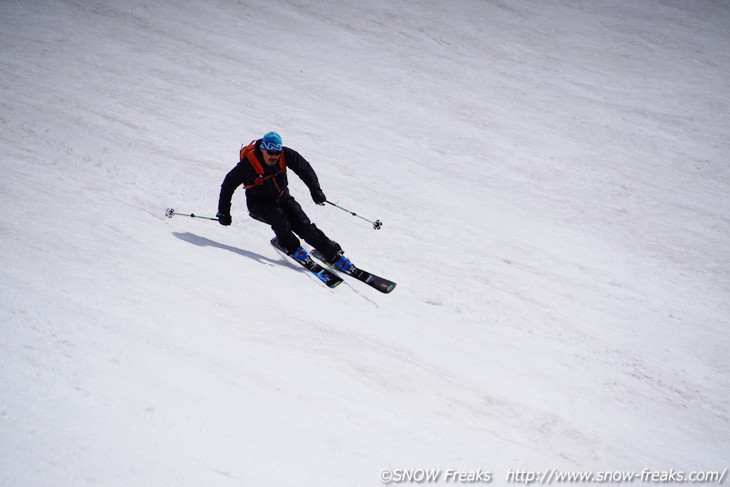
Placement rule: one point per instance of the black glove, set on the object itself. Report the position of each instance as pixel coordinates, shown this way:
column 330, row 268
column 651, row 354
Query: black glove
column 318, row 196
column 224, row 218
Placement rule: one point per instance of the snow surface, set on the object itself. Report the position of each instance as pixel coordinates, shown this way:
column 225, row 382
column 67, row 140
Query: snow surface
column 553, row 182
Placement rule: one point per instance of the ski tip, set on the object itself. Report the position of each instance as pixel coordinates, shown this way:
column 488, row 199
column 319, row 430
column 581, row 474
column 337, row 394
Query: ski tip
column 387, row 287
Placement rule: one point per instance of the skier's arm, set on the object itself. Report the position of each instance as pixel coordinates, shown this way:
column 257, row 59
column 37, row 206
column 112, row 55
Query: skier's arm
column 303, row 169
column 232, row 181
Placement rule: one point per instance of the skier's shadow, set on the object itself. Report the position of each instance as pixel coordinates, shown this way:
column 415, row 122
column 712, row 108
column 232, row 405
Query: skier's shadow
column 205, row 242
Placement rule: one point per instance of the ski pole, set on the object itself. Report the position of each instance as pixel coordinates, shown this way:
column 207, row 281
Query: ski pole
column 169, row 213
column 376, row 224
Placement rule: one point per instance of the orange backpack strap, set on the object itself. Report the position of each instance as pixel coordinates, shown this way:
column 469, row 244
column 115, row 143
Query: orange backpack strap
column 249, row 153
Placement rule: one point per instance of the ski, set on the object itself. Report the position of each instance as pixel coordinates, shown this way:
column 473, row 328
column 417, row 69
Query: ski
column 377, row 282
column 330, row 279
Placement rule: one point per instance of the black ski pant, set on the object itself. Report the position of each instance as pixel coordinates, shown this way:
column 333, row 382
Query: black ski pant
column 288, row 220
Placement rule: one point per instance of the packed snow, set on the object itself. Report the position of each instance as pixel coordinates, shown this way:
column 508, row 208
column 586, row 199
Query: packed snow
column 553, row 182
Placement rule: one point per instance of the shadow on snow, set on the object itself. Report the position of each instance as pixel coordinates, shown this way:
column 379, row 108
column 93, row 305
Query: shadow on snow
column 206, row 242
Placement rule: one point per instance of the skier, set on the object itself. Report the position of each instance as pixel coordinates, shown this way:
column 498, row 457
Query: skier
column 262, row 172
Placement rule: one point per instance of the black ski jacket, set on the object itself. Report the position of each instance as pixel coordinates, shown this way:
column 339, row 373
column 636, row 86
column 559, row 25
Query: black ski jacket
column 266, row 193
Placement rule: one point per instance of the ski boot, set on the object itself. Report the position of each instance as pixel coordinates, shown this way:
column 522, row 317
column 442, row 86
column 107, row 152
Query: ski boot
column 341, row 263
column 300, row 255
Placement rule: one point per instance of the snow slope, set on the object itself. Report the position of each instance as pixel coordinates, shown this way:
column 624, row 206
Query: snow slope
column 552, row 179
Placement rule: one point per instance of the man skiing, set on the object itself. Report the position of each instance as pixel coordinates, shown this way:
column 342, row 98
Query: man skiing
column 262, row 171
